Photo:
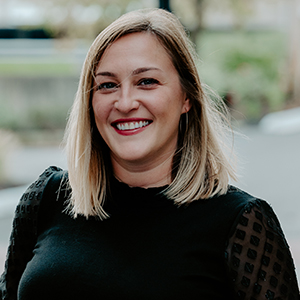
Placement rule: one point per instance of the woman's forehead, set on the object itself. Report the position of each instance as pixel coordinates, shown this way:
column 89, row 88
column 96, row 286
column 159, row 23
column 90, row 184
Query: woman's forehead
column 139, row 50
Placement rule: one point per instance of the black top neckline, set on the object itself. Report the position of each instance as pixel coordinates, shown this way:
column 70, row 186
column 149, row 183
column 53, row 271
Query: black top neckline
column 125, row 196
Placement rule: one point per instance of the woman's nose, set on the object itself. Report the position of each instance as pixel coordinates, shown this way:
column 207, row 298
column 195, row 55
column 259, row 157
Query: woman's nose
column 126, row 100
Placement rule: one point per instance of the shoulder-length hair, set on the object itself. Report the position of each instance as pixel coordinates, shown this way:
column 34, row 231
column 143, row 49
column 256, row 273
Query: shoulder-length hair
column 201, row 168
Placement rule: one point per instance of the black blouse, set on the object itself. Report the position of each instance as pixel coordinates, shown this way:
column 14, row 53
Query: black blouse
column 227, row 247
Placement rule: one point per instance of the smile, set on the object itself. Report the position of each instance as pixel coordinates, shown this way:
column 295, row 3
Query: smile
column 131, row 125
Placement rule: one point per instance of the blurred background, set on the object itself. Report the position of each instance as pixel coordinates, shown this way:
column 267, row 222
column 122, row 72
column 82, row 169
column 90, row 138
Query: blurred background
column 249, row 52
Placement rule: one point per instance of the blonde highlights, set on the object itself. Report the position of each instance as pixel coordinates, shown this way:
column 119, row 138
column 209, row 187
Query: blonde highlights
column 201, row 168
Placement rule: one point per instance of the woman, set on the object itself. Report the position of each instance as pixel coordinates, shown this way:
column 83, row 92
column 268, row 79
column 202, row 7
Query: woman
column 145, row 210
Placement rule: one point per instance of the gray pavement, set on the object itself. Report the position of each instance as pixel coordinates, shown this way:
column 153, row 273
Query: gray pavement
column 269, row 166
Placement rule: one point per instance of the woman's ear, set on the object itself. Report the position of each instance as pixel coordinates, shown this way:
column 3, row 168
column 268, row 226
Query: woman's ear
column 186, row 105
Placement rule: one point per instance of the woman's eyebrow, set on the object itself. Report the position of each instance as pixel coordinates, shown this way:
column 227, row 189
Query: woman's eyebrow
column 145, row 69
column 109, row 74
column 135, row 72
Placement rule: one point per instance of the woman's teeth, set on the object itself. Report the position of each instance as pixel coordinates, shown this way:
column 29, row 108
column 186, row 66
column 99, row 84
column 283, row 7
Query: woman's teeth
column 132, row 125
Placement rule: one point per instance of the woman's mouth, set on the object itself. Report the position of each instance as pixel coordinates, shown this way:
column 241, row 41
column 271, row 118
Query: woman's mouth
column 131, row 125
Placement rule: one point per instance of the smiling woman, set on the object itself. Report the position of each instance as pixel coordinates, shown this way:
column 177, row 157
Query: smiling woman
column 145, row 210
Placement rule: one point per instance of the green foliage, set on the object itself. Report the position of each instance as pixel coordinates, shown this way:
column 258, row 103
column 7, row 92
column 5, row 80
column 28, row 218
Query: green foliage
column 34, row 117
column 241, row 61
column 37, row 69
column 248, row 66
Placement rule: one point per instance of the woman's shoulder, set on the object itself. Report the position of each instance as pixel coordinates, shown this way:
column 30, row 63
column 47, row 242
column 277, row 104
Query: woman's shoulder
column 240, row 201
column 52, row 178
column 235, row 206
column 233, row 203
column 51, row 175
column 55, row 180
column 238, row 196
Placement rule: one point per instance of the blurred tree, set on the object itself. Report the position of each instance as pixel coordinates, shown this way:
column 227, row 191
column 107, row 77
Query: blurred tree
column 192, row 13
column 164, row 4
column 240, row 10
column 199, row 6
column 293, row 79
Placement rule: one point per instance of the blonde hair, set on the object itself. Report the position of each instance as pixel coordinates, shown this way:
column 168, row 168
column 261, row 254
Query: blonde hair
column 201, row 168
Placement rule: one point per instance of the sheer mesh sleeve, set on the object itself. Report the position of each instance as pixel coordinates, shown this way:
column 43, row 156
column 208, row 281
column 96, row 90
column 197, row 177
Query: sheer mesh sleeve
column 23, row 236
column 258, row 257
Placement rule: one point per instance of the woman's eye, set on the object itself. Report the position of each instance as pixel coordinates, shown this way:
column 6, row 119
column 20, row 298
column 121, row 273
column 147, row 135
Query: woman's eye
column 106, row 86
column 148, row 81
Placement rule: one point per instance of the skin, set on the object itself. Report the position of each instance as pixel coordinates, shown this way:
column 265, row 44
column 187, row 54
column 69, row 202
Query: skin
column 137, row 85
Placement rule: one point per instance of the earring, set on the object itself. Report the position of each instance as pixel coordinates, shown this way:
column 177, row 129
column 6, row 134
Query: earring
column 186, row 121
column 183, row 128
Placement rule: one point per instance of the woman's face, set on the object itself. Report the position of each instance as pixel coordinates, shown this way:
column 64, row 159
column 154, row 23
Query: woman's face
column 137, row 101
